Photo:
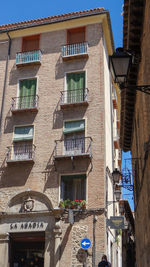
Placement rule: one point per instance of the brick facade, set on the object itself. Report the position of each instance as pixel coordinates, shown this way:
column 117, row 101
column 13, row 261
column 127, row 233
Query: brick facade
column 44, row 174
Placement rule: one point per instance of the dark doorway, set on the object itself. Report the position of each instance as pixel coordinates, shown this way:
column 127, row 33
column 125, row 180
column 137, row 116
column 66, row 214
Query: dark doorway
column 27, row 249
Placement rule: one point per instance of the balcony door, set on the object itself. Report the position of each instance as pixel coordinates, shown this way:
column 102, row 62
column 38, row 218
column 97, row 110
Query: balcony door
column 76, row 35
column 75, row 87
column 22, row 143
column 27, row 94
column 30, row 43
column 74, row 137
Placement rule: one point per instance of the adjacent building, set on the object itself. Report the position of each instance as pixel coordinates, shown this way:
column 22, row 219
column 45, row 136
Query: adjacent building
column 58, row 141
column 135, row 119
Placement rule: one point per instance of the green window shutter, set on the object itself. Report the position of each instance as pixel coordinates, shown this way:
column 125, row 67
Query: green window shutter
column 74, row 126
column 76, row 81
column 27, row 92
column 75, row 87
column 23, row 133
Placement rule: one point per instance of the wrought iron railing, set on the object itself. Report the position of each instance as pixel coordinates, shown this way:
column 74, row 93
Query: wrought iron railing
column 28, row 57
column 74, row 96
column 20, row 152
column 73, row 147
column 25, row 102
column 74, row 49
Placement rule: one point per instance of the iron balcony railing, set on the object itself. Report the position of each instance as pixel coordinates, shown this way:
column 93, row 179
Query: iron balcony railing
column 20, row 152
column 74, row 49
column 28, row 57
column 73, row 147
column 25, row 102
column 74, row 96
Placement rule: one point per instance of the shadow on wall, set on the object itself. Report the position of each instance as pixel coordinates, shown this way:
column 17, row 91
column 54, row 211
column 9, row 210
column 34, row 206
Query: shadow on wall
column 23, row 73
column 51, row 176
column 15, row 175
column 57, row 117
column 62, row 67
column 26, row 118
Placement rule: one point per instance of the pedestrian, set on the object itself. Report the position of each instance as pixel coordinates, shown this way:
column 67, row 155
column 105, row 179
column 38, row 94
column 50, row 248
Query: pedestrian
column 104, row 262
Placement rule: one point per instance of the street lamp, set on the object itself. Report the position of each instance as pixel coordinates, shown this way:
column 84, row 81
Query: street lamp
column 117, row 193
column 116, row 174
column 120, row 63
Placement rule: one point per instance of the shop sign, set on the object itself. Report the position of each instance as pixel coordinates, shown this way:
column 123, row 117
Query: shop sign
column 27, row 226
column 116, row 222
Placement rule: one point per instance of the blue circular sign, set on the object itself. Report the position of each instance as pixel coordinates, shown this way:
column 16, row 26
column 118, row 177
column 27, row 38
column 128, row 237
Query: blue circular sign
column 85, row 243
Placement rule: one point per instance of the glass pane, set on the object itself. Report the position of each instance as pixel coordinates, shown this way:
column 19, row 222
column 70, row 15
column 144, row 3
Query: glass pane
column 23, row 133
column 74, row 126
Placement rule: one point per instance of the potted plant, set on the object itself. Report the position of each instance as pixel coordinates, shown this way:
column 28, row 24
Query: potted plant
column 66, row 204
column 83, row 204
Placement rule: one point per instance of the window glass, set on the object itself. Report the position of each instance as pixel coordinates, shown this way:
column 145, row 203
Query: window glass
column 74, row 126
column 73, row 187
column 23, row 133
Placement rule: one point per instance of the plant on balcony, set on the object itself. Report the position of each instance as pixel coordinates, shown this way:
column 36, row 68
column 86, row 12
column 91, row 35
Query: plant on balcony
column 83, row 204
column 72, row 204
column 66, row 204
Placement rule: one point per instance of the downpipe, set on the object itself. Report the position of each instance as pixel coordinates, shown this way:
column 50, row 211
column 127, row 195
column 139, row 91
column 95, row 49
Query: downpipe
column 5, row 82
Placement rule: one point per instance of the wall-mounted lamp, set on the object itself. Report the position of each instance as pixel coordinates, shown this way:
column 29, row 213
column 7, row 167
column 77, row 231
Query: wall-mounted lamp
column 116, row 174
column 125, row 178
column 120, row 63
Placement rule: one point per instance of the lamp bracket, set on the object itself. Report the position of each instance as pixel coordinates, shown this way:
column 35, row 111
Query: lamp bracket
column 142, row 88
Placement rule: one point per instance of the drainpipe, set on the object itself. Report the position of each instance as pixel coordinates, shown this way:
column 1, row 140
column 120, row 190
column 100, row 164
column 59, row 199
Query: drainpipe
column 5, row 81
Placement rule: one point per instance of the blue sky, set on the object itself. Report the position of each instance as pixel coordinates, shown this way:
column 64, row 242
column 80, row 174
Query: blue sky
column 14, row 11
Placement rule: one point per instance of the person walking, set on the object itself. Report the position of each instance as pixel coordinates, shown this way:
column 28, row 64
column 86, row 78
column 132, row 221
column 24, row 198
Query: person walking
column 104, row 262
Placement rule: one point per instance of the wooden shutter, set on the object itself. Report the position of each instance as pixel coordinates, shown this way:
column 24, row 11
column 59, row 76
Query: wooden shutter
column 76, row 35
column 30, row 43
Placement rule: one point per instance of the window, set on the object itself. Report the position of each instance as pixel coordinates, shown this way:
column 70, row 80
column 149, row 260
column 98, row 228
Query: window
column 73, row 187
column 74, row 132
column 22, row 143
column 27, row 94
column 76, row 35
column 30, row 43
column 75, row 87
column 23, row 133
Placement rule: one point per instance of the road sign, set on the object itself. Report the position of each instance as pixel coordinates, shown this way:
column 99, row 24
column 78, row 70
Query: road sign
column 85, row 243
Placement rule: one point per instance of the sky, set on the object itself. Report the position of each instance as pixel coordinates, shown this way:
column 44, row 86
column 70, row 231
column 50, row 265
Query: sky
column 16, row 10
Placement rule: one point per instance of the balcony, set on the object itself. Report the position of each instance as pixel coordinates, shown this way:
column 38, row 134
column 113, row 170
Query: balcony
column 70, row 51
column 75, row 147
column 20, row 153
column 74, row 98
column 25, row 103
column 28, row 58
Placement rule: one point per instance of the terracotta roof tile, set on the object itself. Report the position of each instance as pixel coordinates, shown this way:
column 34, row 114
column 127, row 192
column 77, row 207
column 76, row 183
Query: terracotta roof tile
column 51, row 19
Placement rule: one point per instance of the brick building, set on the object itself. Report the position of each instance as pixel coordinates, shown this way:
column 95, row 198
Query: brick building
column 58, row 140
column 135, row 119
